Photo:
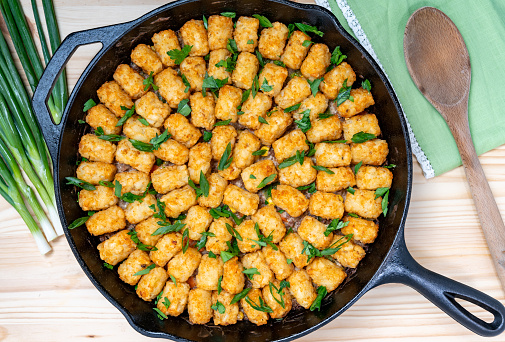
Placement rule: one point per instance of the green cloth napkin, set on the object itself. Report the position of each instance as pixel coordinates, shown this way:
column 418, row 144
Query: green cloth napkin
column 482, row 25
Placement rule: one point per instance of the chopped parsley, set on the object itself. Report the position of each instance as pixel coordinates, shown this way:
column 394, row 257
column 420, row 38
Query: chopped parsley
column 88, row 105
column 178, row 55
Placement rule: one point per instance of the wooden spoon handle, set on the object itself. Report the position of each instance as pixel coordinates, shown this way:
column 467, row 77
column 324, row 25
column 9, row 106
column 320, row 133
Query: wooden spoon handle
column 487, row 209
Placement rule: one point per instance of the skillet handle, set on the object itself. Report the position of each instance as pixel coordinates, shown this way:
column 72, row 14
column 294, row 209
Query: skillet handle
column 106, row 35
column 401, row 267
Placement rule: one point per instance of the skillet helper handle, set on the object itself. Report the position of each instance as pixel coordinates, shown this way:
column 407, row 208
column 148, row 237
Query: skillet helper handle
column 106, row 35
column 442, row 291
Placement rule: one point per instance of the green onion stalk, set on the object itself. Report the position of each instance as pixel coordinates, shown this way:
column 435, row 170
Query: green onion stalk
column 9, row 190
column 27, row 52
column 27, row 192
column 12, row 138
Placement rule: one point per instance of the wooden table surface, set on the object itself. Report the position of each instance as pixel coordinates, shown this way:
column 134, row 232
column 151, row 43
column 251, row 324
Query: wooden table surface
column 48, row 298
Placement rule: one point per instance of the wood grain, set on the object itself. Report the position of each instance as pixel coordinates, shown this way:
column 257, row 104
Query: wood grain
column 445, row 81
column 48, row 298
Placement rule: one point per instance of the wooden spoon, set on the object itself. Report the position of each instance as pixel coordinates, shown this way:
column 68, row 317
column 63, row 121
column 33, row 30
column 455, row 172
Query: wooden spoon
column 439, row 64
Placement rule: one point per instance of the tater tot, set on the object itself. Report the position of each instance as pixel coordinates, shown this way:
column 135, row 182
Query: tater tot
column 341, row 178
column 145, row 230
column 151, row 284
column 176, row 295
column 231, row 311
column 136, row 212
column 171, row 87
column 247, row 143
column 272, row 75
column 221, row 137
column 293, row 93
column 137, row 261
column 219, row 30
column 114, row 97
column 253, row 315
column 257, row 261
column 312, row 231
column 326, row 205
column 216, row 67
column 184, row 264
column 290, row 199
column 197, row 221
column 301, row 288
column 182, row 130
column 295, row 52
column 106, row 221
column 366, row 123
column 136, row 130
column 272, row 290
column 152, row 109
column 202, row 110
column 246, row 34
column 272, row 41
column 298, row 175
column 130, row 80
column 199, row 306
column 99, row 199
column 233, row 278
column 292, row 246
column 230, row 173
column 167, row 247
column 216, row 244
column 193, row 33
column 248, row 233
column 270, row 223
column 117, row 248
column 200, row 157
column 100, row 116
column 127, row 154
column 325, row 129
column 362, row 100
column 209, row 272
column 172, row 151
column 334, row 79
column 363, row 203
column 178, row 201
column 145, row 57
column 193, row 68
column 349, row 254
column 325, row 273
column 277, row 124
column 316, row 62
column 246, row 68
column 287, row 146
column 371, row 152
column 227, row 102
column 255, row 176
column 240, row 200
column 333, row 154
column 168, row 178
column 165, row 41
column 277, row 262
column 253, row 108
column 95, row 149
column 363, row 230
column 317, row 105
column 217, row 187
column 94, row 172
column 371, row 178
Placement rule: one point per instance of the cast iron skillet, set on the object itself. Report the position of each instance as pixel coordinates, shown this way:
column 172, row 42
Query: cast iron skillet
column 388, row 260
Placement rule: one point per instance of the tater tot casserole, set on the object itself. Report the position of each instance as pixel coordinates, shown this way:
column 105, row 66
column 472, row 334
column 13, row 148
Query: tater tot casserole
column 233, row 170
